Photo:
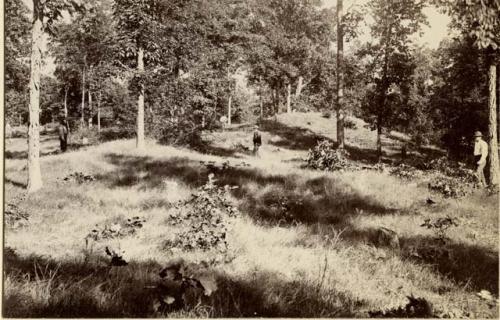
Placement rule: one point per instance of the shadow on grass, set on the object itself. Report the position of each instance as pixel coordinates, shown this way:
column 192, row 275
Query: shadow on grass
column 297, row 138
column 15, row 183
column 18, row 155
column 219, row 151
column 472, row 267
column 294, row 138
column 270, row 198
column 41, row 287
column 328, row 201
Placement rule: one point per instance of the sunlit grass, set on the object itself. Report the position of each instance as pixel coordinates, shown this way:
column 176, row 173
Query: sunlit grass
column 319, row 261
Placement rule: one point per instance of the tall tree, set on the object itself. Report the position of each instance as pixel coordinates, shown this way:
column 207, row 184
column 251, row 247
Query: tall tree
column 480, row 19
column 34, row 172
column 139, row 24
column 44, row 15
column 289, row 36
column 84, row 50
column 340, row 74
column 17, row 36
column 390, row 59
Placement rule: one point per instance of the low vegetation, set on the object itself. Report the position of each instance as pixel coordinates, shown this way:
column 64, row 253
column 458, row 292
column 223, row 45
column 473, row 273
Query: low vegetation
column 271, row 238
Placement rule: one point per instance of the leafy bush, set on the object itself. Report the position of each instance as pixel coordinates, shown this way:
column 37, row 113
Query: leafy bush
column 79, row 177
column 325, row 156
column 14, row 216
column 204, row 218
column 440, row 225
column 451, row 168
column 451, row 187
column 407, row 172
column 116, row 230
column 179, row 280
column 350, row 124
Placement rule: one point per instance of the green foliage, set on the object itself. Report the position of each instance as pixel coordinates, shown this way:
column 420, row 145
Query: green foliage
column 350, row 124
column 50, row 11
column 180, row 280
column 79, row 177
column 116, row 230
column 440, row 226
column 406, row 172
column 390, row 65
column 460, row 94
column 478, row 18
column 451, row 187
column 451, row 168
column 204, row 219
column 324, row 156
column 14, row 216
column 17, row 44
column 87, row 46
column 293, row 42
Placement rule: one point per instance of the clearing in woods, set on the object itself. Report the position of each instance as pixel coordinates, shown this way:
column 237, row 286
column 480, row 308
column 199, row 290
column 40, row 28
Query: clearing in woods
column 306, row 243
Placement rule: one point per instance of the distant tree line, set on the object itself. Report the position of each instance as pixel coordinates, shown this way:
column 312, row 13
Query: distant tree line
column 166, row 69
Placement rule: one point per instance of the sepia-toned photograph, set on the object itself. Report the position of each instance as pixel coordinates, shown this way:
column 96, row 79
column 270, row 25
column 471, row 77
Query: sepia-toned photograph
column 251, row 159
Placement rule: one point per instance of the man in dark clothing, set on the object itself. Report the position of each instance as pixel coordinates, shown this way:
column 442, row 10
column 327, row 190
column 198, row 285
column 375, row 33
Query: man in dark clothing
column 257, row 140
column 63, row 134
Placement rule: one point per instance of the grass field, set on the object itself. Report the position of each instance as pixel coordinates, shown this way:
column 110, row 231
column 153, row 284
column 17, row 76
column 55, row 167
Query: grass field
column 324, row 260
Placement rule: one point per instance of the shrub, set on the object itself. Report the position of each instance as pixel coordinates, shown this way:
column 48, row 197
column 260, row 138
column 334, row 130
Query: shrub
column 406, row 172
column 116, row 230
column 451, row 187
column 14, row 216
column 452, row 169
column 326, row 157
column 79, row 177
column 440, row 226
column 204, row 218
column 350, row 124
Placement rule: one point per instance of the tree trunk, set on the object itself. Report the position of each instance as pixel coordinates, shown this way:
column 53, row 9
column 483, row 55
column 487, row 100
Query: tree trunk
column 261, row 108
column 379, row 140
column 140, row 103
column 278, row 100
column 340, row 76
column 229, row 110
column 300, row 85
column 66, row 103
column 99, row 112
column 90, row 109
column 34, row 172
column 83, row 97
column 492, row 127
column 288, row 98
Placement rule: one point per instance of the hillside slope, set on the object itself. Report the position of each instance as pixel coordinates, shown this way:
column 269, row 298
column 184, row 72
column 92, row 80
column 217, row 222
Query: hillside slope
column 306, row 243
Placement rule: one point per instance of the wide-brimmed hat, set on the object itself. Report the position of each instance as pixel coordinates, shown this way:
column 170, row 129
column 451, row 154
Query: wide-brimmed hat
column 478, row 134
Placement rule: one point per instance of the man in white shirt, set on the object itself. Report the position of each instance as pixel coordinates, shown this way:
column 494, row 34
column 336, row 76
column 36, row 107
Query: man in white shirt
column 480, row 155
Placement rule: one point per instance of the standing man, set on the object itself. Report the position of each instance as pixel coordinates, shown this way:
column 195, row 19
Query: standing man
column 63, row 134
column 257, row 140
column 480, row 155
